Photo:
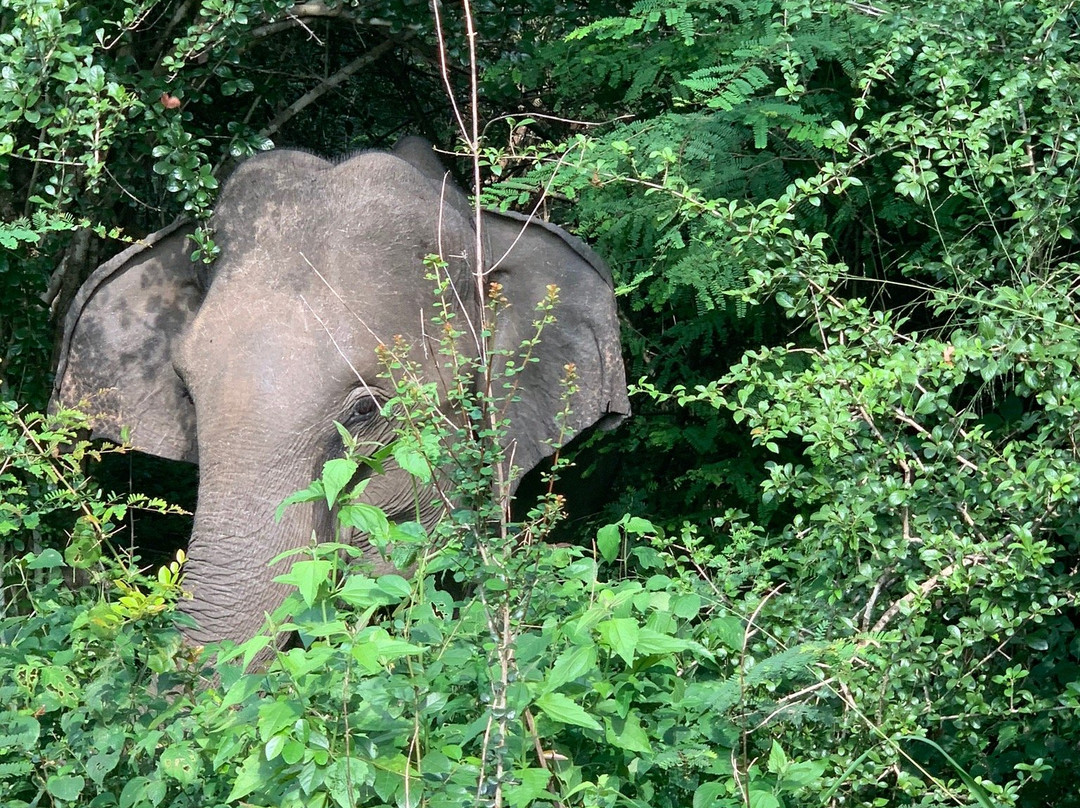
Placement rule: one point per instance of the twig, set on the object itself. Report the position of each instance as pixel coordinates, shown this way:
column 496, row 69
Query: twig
column 298, row 13
column 333, row 81
column 924, row 589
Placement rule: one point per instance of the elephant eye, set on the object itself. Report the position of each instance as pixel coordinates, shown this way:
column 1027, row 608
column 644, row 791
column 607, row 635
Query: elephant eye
column 364, row 408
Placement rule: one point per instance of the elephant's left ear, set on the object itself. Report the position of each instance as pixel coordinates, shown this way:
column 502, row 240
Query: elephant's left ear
column 527, row 257
column 116, row 354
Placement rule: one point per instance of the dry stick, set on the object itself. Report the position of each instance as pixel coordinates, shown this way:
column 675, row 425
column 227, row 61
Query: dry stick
column 298, row 13
column 501, row 626
column 742, row 681
column 924, row 589
column 333, row 81
column 166, row 37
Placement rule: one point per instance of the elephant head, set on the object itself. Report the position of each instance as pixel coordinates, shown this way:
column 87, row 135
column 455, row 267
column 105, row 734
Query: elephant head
column 244, row 366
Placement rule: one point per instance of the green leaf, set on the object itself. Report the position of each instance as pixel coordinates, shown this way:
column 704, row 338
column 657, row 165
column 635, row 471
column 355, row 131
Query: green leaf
column 620, row 634
column 336, row 474
column 365, row 518
column 608, row 539
column 565, row 710
column 46, row 559
column 100, row 764
column 249, row 778
column 182, row 763
column 312, row 493
column 531, row 786
column 570, row 665
column 395, row 586
column 344, row 777
column 307, row 576
column 65, row 787
column 627, row 733
column 19, row 731
column 413, row 461
column 777, row 759
column 803, row 773
column 655, row 642
column 761, row 798
column 707, row 794
column 274, row 716
column 730, row 630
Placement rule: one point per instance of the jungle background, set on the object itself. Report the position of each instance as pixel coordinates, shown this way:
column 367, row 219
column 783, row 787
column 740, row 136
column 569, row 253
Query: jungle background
column 831, row 560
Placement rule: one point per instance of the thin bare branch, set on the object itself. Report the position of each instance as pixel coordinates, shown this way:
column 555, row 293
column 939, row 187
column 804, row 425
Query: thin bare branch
column 335, row 80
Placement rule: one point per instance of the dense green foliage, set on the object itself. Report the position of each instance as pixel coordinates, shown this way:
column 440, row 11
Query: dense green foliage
column 845, row 242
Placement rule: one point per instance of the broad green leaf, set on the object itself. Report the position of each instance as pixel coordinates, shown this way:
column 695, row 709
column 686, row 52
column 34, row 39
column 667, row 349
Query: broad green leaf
column 374, row 648
column 100, row 764
column 394, row 585
column 365, row 518
column 20, row 731
column 570, row 665
column 345, row 777
column 627, row 733
column 777, row 759
column 275, row 745
column 336, row 474
column 46, row 559
column 532, row 786
column 65, row 787
column 654, row 642
column 182, row 763
column 363, row 592
column 249, row 778
column 620, row 634
column 686, row 606
column 762, row 798
column 608, row 539
column 413, row 461
column 307, row 576
column 274, row 716
column 730, row 630
column 708, row 794
column 803, row 773
column 637, row 526
column 312, row 493
column 565, row 710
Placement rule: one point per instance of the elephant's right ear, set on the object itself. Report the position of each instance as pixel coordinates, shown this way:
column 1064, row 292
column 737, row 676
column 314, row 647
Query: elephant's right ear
column 115, row 360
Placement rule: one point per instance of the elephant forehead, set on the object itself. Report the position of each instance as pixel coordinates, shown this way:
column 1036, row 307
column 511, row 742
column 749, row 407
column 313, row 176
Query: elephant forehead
column 269, row 340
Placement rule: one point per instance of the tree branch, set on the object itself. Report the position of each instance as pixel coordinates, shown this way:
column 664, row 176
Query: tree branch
column 331, row 82
column 924, row 589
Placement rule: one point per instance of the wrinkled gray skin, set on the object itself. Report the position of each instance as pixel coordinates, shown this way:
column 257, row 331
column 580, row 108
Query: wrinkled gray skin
column 244, row 366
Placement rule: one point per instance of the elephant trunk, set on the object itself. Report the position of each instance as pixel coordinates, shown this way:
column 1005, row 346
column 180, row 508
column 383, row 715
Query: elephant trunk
column 234, row 540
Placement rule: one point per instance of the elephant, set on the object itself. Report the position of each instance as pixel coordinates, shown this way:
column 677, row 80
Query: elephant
column 244, row 365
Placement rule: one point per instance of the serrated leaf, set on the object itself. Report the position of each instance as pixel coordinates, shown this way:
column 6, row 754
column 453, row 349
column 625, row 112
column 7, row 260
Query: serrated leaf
column 344, row 777
column 336, row 474
column 413, row 461
column 248, row 778
column 778, row 761
column 310, row 494
column 759, row 798
column 365, row 518
column 531, row 787
column 707, row 794
column 627, row 733
column 307, row 576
